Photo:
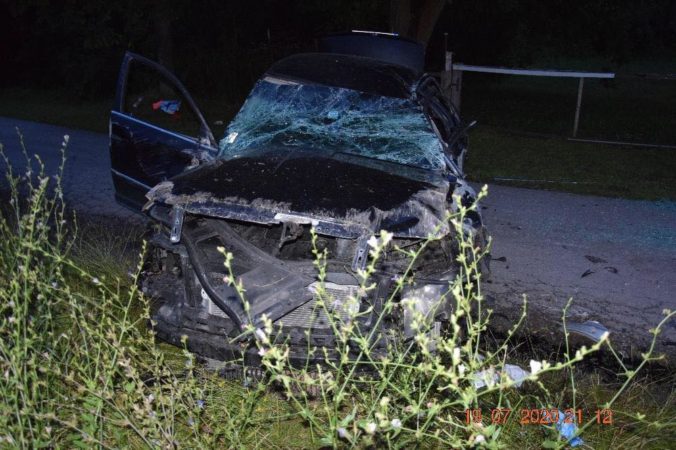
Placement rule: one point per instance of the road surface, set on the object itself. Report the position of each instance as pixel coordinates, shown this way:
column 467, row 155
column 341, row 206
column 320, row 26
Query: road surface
column 616, row 258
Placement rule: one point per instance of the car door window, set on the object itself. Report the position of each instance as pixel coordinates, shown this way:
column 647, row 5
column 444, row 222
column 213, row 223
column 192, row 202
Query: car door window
column 153, row 99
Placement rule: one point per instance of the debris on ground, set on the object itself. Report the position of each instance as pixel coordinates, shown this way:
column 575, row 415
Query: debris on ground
column 568, row 429
column 515, row 373
column 590, row 329
column 595, row 259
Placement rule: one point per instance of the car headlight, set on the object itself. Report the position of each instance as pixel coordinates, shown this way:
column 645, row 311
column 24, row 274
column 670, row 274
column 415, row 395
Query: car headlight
column 421, row 305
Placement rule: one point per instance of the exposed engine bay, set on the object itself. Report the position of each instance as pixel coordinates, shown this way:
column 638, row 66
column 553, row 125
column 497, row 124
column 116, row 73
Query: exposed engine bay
column 276, row 265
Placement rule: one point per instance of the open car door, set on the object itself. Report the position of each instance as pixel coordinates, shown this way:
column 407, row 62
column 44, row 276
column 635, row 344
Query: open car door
column 156, row 130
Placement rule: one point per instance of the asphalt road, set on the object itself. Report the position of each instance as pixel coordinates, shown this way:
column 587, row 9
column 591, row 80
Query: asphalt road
column 543, row 243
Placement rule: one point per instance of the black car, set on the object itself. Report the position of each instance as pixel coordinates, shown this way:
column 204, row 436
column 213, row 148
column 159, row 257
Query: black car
column 342, row 143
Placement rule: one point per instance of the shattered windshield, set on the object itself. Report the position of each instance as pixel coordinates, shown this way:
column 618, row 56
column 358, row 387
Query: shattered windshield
column 331, row 119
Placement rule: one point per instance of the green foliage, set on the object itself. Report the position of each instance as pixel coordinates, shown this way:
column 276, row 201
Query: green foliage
column 417, row 392
column 80, row 368
column 556, row 164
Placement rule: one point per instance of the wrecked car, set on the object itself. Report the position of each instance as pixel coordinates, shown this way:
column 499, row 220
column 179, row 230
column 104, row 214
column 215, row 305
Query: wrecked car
column 337, row 142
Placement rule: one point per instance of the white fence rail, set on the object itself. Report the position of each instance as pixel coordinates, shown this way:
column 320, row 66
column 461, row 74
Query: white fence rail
column 456, row 70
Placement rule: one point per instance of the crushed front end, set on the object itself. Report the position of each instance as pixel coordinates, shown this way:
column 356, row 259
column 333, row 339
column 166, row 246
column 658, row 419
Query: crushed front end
column 276, row 264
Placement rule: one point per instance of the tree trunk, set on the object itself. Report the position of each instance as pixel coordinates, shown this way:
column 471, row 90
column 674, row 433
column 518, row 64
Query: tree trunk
column 415, row 19
column 400, row 17
column 162, row 20
column 427, row 16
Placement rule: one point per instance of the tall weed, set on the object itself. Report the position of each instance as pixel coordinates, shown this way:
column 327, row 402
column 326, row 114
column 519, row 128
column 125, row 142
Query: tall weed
column 80, row 366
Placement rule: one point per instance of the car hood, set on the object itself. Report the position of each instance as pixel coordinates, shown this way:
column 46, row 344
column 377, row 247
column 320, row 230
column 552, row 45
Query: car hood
column 340, row 195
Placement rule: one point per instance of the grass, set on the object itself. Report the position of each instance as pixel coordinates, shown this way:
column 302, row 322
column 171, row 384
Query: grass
column 524, row 122
column 621, row 109
column 55, row 107
column 81, row 368
column 556, row 164
column 624, row 108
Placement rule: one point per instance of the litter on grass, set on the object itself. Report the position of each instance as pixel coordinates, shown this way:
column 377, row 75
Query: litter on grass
column 491, row 377
column 568, row 429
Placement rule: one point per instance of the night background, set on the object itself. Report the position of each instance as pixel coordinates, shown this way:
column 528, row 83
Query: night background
column 558, row 286
column 61, row 59
column 221, row 47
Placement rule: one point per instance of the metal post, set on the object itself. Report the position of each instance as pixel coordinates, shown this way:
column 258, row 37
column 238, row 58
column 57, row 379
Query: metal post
column 577, row 108
column 446, row 75
column 456, row 88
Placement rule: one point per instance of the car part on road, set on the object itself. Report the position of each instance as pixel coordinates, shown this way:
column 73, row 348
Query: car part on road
column 590, row 329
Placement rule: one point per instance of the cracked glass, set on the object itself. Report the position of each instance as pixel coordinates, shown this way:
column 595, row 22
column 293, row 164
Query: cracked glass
column 332, row 120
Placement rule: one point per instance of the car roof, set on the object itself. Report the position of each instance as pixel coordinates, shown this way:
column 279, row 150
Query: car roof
column 358, row 73
column 389, row 47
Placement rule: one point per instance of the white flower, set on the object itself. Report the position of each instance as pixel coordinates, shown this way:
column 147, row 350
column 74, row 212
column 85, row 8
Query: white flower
column 260, row 334
column 396, row 424
column 479, row 439
column 95, row 280
column 342, row 432
column 373, row 242
column 370, row 427
column 535, row 366
column 386, row 236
